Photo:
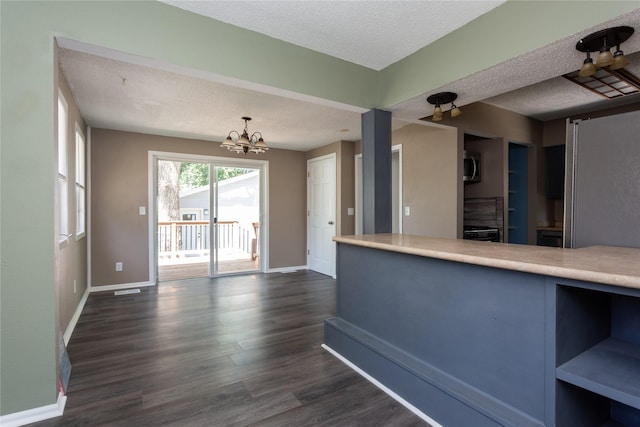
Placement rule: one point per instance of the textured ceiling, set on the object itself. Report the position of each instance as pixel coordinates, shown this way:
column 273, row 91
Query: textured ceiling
column 531, row 84
column 374, row 34
column 119, row 95
column 120, row 92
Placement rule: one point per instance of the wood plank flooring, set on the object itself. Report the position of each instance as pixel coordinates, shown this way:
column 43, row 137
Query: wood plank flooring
column 242, row 350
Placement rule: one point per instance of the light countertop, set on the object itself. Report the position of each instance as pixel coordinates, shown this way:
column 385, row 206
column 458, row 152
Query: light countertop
column 600, row 264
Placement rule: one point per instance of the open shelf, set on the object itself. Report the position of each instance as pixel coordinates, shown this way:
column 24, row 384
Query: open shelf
column 598, row 357
column 610, row 368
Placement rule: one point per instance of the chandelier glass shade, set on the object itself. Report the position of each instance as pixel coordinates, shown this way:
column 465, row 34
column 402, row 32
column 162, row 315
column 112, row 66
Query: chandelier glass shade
column 243, row 143
column 443, row 98
column 602, row 41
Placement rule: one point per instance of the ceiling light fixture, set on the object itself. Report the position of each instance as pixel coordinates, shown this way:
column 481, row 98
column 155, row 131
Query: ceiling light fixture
column 443, row 98
column 602, row 41
column 245, row 143
column 608, row 83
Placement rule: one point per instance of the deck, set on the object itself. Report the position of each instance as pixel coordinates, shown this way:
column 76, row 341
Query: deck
column 194, row 270
column 183, row 249
column 198, row 266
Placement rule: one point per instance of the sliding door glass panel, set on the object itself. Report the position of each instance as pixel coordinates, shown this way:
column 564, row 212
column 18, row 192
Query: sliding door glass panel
column 183, row 209
column 236, row 204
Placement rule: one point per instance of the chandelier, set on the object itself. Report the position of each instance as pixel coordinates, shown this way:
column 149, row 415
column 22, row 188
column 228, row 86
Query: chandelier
column 245, row 143
column 443, row 98
column 602, row 42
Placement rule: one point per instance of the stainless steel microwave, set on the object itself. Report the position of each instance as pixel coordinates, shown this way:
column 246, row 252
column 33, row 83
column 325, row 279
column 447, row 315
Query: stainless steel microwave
column 471, row 166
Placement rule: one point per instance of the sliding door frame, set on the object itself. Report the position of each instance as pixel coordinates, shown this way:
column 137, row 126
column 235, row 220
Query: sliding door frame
column 262, row 165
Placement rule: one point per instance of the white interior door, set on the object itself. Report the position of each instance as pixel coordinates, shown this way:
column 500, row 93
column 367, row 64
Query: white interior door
column 321, row 214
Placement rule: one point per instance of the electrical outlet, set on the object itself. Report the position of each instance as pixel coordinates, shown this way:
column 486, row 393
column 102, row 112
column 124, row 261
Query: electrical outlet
column 75, row 286
column 118, row 266
column 142, row 210
column 407, row 211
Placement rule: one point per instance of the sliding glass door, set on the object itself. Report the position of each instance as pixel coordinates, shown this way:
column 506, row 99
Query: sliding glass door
column 208, row 218
column 183, row 210
column 236, row 203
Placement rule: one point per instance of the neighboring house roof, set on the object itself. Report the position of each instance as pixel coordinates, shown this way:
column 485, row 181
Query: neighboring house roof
column 222, row 185
column 242, row 191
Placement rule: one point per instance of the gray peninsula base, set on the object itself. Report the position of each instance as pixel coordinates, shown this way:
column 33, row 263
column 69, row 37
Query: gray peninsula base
column 471, row 345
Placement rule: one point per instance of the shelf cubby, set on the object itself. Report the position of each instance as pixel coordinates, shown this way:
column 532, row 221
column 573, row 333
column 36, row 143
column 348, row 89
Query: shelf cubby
column 597, row 357
column 611, row 368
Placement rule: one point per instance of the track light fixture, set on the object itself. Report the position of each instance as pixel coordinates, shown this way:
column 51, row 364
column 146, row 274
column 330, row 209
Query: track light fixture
column 602, row 41
column 245, row 143
column 443, row 98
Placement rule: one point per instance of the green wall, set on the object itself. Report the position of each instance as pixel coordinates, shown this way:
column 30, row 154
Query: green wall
column 169, row 35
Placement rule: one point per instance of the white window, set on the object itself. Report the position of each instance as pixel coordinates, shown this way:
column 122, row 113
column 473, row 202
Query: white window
column 80, row 183
column 63, row 192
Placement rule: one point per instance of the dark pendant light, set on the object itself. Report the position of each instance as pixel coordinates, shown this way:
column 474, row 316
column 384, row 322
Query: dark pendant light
column 601, row 42
column 443, row 98
column 588, row 67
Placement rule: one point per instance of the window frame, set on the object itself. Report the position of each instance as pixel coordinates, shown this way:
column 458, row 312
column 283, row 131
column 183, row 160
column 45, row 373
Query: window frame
column 80, row 183
column 63, row 169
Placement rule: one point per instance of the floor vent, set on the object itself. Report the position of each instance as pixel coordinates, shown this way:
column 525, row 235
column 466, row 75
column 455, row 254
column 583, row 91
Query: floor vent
column 127, row 292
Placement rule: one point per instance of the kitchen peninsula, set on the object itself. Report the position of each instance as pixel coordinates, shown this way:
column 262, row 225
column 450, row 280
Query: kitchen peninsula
column 488, row 334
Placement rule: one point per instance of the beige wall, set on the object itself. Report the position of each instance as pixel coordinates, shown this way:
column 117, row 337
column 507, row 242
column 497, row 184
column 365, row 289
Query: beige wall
column 493, row 122
column 119, row 186
column 492, row 181
column 554, row 132
column 71, row 262
column 431, row 158
column 348, row 190
column 429, row 179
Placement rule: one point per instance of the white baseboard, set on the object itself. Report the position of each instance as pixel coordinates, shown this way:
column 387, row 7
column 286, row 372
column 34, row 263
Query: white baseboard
column 34, row 415
column 76, row 316
column 120, row 286
column 287, row 269
column 382, row 387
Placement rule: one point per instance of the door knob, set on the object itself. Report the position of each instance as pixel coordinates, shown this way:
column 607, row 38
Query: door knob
column 330, row 222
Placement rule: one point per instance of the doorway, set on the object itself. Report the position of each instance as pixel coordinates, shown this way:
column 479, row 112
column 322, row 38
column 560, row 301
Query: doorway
column 208, row 216
column 396, row 190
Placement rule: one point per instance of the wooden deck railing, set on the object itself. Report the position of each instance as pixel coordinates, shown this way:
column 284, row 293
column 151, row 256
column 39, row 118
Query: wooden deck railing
column 177, row 238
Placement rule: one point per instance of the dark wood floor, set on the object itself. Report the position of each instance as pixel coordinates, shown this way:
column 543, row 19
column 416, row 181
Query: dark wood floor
column 242, row 350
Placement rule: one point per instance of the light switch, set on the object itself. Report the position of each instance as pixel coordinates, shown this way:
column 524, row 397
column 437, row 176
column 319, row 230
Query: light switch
column 407, row 210
column 350, row 211
column 143, row 210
